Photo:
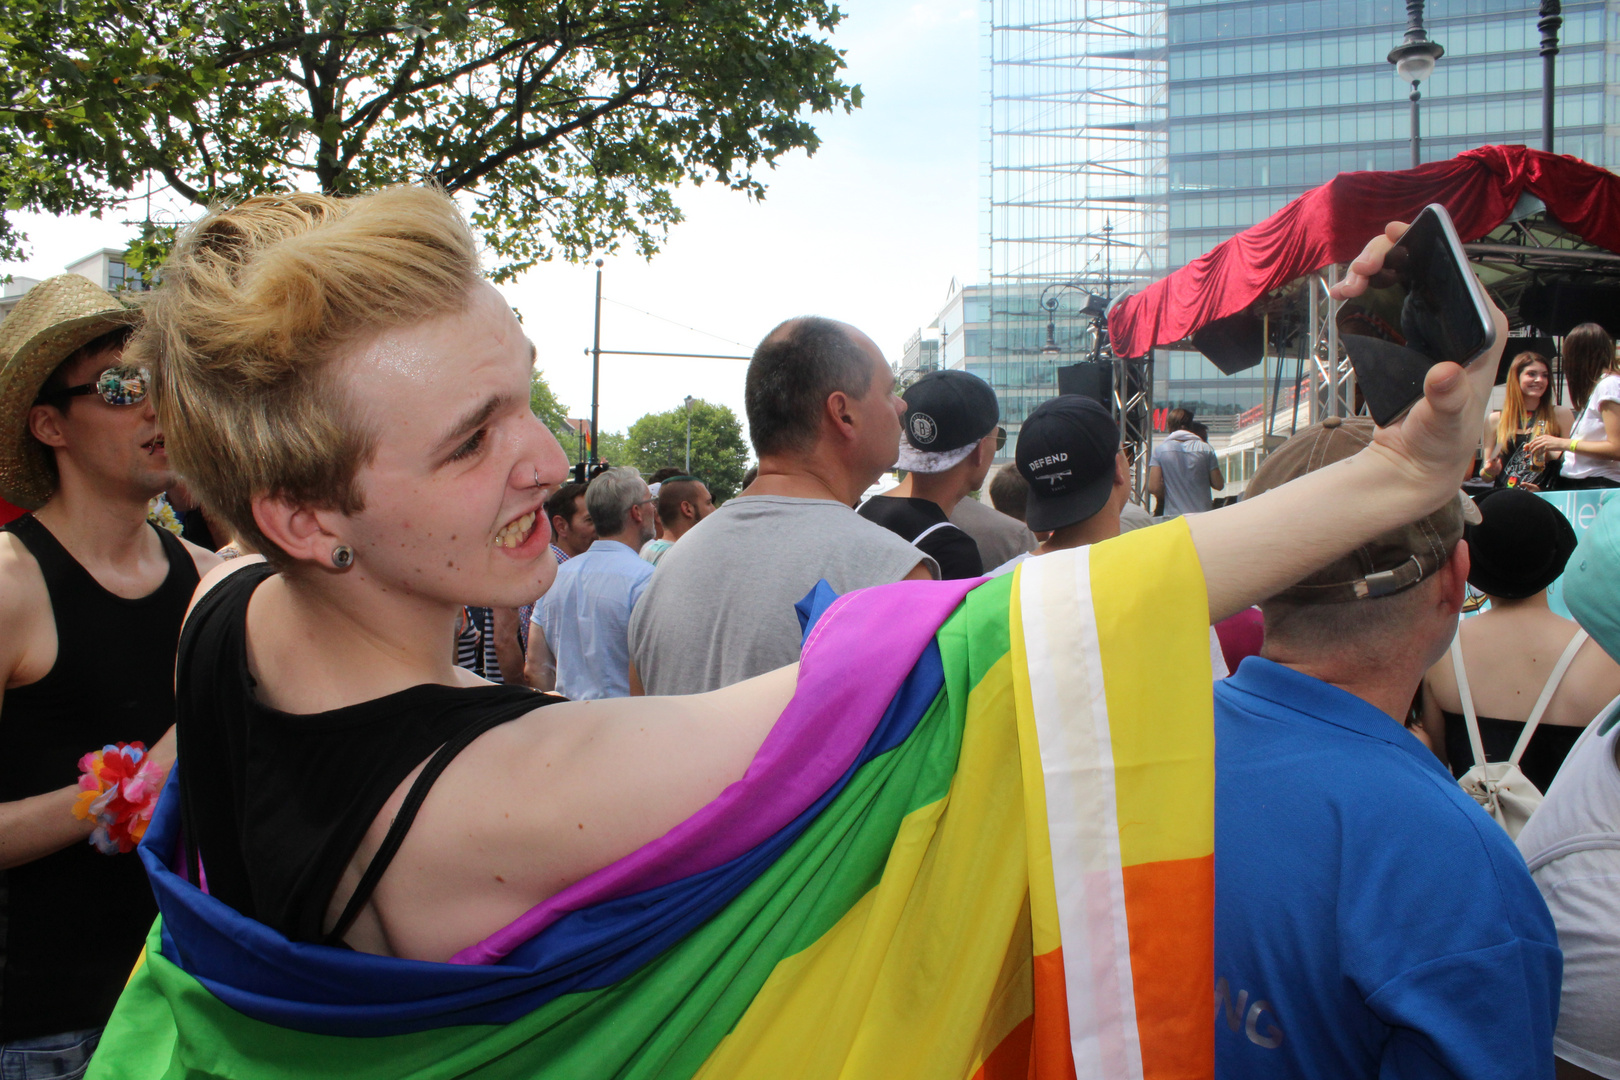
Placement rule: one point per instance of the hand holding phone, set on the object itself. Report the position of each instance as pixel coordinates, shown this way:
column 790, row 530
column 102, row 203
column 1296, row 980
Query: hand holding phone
column 1432, row 447
column 1419, row 306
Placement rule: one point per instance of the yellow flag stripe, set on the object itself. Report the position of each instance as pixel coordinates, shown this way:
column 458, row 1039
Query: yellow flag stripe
column 1164, row 756
column 950, row 911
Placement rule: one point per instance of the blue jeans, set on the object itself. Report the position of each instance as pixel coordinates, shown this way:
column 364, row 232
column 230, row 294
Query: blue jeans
column 51, row 1057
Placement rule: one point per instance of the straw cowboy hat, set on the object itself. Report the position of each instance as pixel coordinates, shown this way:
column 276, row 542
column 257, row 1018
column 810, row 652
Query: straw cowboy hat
column 55, row 318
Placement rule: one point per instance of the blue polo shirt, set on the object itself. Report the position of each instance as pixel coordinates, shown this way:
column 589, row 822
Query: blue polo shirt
column 1370, row 919
column 586, row 619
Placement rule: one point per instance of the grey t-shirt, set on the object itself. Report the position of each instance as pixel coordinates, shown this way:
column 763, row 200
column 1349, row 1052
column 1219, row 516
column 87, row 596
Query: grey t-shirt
column 999, row 537
column 719, row 609
column 1185, row 461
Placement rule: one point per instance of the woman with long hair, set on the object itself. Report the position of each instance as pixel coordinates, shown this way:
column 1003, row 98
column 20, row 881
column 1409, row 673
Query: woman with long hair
column 1527, row 412
column 1592, row 452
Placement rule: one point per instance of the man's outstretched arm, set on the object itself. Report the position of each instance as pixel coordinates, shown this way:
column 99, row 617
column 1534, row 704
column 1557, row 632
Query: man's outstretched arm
column 1260, row 546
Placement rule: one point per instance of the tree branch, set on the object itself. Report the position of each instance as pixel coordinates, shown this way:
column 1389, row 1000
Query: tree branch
column 519, row 147
column 366, row 117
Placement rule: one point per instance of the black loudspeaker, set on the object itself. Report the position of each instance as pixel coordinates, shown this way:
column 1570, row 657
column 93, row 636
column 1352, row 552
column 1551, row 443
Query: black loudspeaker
column 1089, row 378
column 1558, row 307
column 1516, row 345
column 1233, row 344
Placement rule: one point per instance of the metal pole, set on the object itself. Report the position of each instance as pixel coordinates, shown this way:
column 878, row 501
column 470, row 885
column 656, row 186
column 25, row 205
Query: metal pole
column 1311, row 341
column 1335, row 402
column 1416, row 157
column 1266, row 402
column 689, row 434
column 1551, row 20
column 596, row 369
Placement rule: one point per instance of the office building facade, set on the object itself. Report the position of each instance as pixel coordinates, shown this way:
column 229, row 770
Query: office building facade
column 1261, row 101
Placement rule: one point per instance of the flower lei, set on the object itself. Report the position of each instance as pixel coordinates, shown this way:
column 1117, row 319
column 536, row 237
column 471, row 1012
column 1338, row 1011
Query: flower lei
column 119, row 788
column 161, row 513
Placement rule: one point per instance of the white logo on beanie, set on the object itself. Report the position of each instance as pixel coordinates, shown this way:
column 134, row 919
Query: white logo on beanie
column 923, row 429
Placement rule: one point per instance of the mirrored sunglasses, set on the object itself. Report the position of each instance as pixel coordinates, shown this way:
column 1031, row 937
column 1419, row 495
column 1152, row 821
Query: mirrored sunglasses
column 122, row 385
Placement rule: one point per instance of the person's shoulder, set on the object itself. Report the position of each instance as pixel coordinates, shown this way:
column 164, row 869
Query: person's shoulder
column 970, row 512
column 24, row 598
column 203, row 559
column 18, row 567
column 1608, row 388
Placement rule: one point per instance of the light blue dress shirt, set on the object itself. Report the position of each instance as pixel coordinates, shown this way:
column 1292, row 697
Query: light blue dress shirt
column 585, row 616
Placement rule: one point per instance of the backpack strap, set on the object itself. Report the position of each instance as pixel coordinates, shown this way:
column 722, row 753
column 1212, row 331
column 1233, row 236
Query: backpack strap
column 915, row 540
column 1475, row 743
column 1547, row 692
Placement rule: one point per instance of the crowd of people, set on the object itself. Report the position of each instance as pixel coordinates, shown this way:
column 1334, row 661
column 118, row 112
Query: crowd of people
column 348, row 400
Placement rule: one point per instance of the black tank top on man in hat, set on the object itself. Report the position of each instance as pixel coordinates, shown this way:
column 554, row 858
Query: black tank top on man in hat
column 72, row 923
column 275, row 804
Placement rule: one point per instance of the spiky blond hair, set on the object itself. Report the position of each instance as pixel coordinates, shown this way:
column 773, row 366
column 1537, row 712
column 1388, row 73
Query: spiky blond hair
column 256, row 302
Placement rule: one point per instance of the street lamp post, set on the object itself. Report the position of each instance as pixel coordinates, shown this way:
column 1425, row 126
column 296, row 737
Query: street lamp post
column 1414, row 62
column 1551, row 20
column 596, row 368
column 688, row 434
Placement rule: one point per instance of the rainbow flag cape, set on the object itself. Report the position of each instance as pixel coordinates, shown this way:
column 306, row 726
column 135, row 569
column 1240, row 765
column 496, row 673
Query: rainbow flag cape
column 978, row 843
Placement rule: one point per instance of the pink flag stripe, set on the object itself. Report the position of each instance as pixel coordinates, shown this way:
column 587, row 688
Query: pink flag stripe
column 852, row 665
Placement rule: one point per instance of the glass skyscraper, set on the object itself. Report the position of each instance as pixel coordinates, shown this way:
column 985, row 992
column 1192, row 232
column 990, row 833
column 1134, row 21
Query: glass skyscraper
column 1264, row 99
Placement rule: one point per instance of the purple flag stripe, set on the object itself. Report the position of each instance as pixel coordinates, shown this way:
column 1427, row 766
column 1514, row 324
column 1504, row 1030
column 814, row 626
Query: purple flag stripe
column 851, row 675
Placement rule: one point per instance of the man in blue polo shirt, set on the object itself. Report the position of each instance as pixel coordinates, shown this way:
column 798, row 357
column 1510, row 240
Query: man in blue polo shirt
column 1370, row 919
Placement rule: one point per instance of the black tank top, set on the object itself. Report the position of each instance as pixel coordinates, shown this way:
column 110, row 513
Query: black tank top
column 73, row 922
column 275, row 804
column 1548, row 748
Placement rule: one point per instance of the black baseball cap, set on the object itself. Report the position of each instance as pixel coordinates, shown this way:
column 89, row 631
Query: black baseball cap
column 946, row 411
column 1066, row 451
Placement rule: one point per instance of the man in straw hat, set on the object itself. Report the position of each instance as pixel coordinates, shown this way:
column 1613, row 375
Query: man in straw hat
column 1370, row 920
column 91, row 598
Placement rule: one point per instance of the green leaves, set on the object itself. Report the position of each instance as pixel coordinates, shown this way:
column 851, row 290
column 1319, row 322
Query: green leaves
column 569, row 127
column 544, row 404
column 719, row 454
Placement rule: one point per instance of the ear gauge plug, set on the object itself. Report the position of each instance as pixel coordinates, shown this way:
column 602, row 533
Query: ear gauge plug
column 343, row 556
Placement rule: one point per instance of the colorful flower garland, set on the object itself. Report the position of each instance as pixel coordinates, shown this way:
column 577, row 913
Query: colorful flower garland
column 119, row 788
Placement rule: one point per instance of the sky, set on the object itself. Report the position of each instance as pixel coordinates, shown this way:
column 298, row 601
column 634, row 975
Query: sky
column 870, row 230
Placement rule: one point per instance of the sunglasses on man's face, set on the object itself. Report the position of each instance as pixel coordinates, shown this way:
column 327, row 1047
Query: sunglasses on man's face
column 1001, row 437
column 120, row 385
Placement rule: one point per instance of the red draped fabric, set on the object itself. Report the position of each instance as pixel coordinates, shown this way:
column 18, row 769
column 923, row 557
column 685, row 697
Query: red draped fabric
column 9, row 512
column 1332, row 223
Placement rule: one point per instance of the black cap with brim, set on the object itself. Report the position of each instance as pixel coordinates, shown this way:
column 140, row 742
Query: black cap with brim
column 1066, row 451
column 1520, row 547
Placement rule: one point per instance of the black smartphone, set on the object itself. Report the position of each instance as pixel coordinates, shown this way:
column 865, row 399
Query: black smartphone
column 1424, row 308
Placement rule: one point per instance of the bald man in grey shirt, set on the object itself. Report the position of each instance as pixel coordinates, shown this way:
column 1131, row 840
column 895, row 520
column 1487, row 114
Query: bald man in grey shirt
column 719, row 609
column 825, row 422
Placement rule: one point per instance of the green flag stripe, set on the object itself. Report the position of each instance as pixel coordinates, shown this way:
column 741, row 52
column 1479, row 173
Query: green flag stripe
column 663, row 1021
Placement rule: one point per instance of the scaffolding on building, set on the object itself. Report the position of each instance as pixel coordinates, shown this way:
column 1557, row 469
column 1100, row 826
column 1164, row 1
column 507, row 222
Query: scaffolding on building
column 1078, row 184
